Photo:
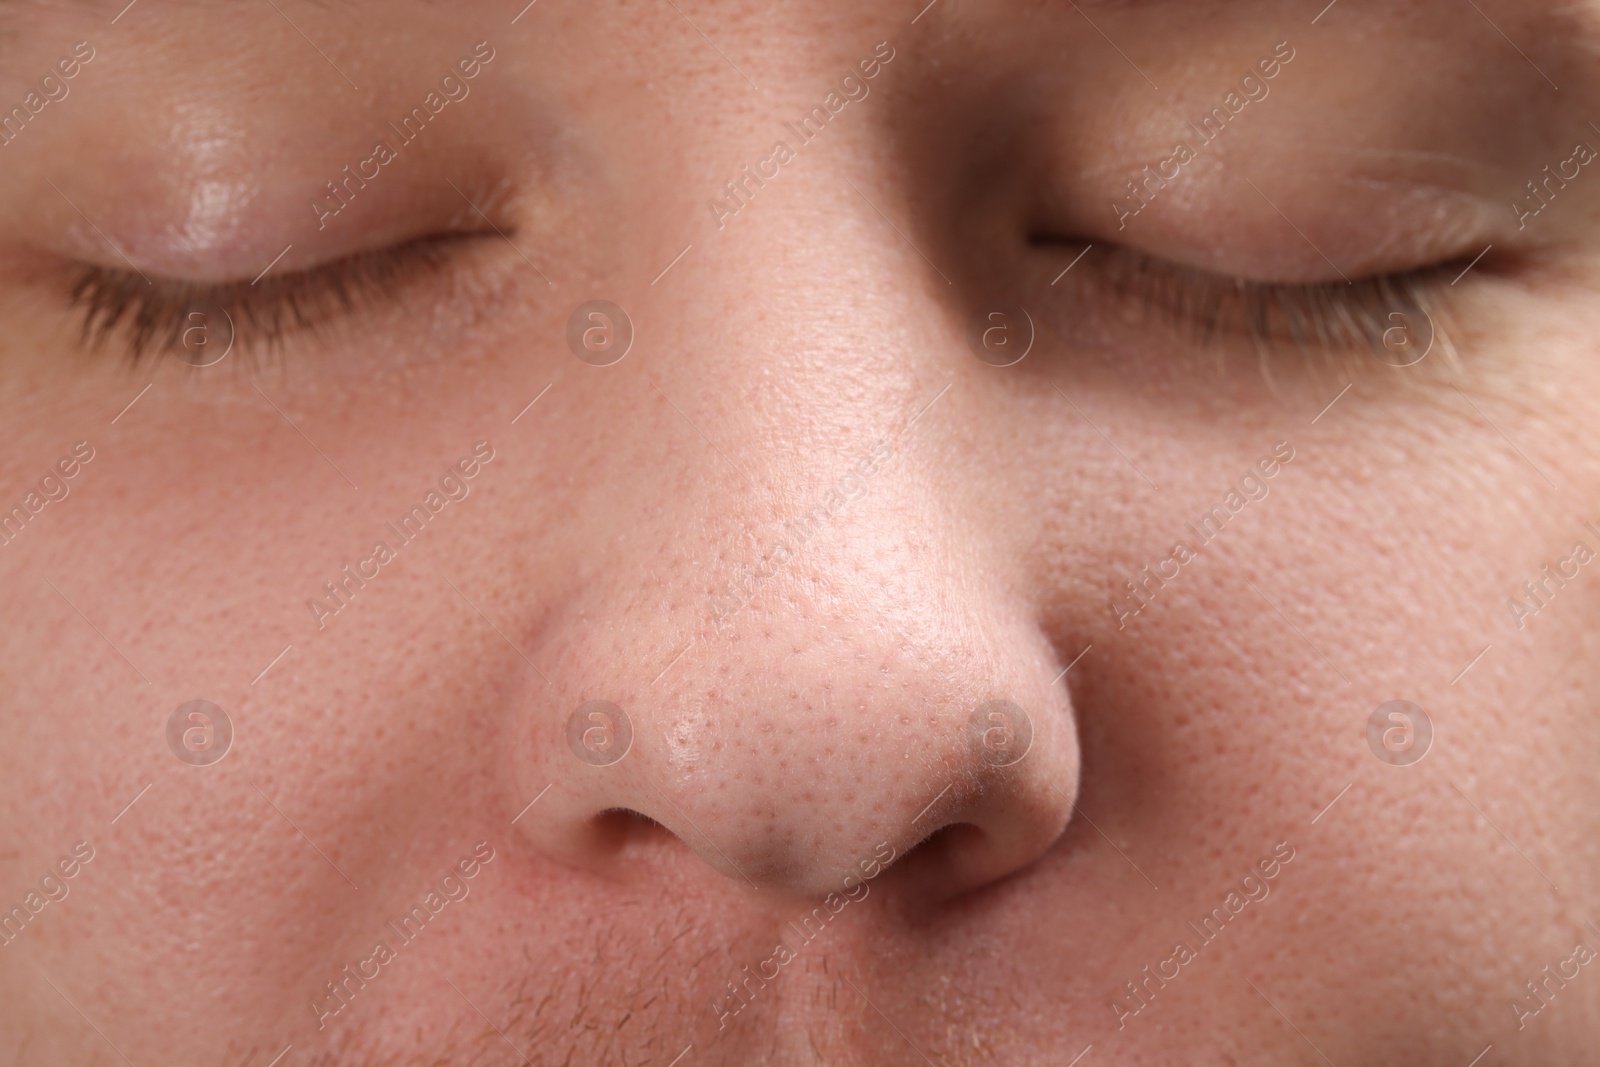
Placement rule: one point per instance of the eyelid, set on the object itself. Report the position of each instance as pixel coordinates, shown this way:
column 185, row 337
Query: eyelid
column 1316, row 318
column 152, row 314
column 1325, row 317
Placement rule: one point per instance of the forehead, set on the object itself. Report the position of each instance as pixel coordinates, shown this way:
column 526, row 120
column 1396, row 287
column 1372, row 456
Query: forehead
column 1071, row 9
column 1183, row 32
column 1526, row 26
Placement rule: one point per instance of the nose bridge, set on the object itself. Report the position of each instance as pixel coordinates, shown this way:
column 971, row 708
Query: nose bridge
column 823, row 252
column 817, row 335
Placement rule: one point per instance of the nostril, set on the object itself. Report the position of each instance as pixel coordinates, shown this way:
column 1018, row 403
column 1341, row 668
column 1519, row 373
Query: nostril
column 621, row 828
column 790, row 796
column 948, row 842
column 950, row 847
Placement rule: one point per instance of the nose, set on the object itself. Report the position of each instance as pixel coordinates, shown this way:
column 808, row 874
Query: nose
column 854, row 675
column 863, row 689
column 820, row 746
column 815, row 749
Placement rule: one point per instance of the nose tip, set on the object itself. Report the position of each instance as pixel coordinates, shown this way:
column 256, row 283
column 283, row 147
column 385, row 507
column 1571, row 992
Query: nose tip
column 811, row 789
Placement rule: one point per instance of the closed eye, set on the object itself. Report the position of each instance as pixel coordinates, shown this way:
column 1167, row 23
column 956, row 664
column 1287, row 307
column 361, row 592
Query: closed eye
column 146, row 316
column 1208, row 309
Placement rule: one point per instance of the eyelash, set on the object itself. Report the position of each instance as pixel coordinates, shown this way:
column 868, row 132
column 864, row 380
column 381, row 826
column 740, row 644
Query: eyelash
column 1316, row 318
column 1322, row 317
column 151, row 317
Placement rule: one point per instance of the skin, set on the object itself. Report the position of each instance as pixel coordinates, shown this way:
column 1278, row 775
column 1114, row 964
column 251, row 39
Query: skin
column 786, row 744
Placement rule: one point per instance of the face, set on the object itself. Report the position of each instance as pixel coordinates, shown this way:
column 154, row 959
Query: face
column 711, row 534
